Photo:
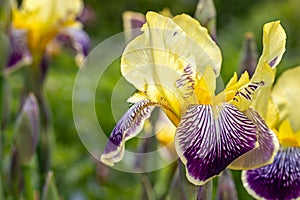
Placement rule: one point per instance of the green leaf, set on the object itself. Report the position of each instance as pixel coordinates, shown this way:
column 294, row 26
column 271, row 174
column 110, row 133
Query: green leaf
column 50, row 190
column 5, row 14
column 3, row 56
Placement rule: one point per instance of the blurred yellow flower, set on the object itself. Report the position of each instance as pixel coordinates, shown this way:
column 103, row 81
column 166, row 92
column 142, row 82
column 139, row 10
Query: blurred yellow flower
column 44, row 19
column 38, row 26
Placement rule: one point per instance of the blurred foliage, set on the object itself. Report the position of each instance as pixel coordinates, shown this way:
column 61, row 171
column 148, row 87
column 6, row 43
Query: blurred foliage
column 77, row 174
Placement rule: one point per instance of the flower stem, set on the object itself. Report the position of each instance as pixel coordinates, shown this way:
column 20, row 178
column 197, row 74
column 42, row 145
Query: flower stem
column 1, row 98
column 34, row 83
column 1, row 188
column 192, row 191
column 44, row 150
column 189, row 190
column 205, row 191
column 1, row 156
column 27, row 183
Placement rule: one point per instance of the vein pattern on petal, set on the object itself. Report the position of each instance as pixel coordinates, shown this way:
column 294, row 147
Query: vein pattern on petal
column 208, row 139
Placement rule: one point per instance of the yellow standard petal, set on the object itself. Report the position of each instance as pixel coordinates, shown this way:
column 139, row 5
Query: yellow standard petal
column 272, row 114
column 286, row 93
column 160, row 63
column 206, row 52
column 274, row 39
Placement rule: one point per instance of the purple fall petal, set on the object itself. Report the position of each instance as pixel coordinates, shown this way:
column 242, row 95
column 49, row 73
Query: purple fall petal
column 208, row 139
column 265, row 152
column 128, row 127
column 18, row 49
column 279, row 180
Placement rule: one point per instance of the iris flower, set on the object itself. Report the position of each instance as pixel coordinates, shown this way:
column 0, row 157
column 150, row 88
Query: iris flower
column 174, row 64
column 35, row 24
column 281, row 179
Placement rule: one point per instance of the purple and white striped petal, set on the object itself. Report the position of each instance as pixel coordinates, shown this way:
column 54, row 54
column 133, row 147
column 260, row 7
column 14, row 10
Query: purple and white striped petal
column 19, row 53
column 279, row 180
column 209, row 138
column 128, row 127
column 78, row 40
column 265, row 152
